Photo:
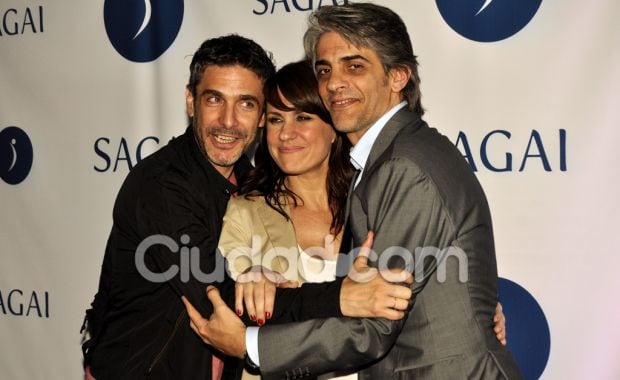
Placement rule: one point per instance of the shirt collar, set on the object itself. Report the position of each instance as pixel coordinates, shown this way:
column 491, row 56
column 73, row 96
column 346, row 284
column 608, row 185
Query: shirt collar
column 360, row 152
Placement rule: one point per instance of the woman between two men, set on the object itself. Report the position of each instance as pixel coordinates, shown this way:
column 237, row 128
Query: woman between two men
column 289, row 215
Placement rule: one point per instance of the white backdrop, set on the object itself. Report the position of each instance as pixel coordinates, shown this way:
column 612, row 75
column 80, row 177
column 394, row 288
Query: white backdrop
column 80, row 102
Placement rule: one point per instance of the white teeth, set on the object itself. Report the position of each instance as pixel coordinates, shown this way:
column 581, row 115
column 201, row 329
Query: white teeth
column 224, row 139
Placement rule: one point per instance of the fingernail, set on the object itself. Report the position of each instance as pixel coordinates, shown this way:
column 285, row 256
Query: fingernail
column 253, row 317
column 267, row 315
column 238, row 312
column 260, row 322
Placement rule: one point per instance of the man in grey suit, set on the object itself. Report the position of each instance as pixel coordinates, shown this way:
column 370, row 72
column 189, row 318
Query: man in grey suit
column 425, row 206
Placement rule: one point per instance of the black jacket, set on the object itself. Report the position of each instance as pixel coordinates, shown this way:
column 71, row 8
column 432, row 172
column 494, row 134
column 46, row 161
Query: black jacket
column 139, row 328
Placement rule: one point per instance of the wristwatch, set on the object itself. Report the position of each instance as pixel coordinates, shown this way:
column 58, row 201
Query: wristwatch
column 250, row 366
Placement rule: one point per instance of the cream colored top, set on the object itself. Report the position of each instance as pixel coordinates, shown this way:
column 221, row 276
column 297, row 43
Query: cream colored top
column 255, row 234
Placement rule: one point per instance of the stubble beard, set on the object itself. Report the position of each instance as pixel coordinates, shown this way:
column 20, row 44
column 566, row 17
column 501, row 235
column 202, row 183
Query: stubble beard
column 219, row 160
column 349, row 125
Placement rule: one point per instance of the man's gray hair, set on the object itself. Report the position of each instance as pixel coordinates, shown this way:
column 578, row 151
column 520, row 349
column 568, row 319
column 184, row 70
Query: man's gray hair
column 371, row 26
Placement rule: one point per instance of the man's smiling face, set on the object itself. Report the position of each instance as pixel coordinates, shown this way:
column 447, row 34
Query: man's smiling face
column 226, row 111
column 353, row 84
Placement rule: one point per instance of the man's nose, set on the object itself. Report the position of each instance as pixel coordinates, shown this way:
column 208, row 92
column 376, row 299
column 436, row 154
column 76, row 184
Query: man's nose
column 228, row 117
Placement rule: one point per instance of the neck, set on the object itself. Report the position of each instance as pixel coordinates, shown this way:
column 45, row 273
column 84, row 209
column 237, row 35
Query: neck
column 355, row 136
column 310, row 188
column 225, row 171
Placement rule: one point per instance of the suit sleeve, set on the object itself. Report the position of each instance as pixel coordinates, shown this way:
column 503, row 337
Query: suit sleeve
column 401, row 203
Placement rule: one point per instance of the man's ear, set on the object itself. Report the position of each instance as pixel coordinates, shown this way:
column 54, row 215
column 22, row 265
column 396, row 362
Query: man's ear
column 189, row 103
column 399, row 77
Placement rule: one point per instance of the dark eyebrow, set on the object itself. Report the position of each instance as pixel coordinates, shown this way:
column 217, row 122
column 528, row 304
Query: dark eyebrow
column 212, row 92
column 249, row 97
column 347, row 58
column 320, row 62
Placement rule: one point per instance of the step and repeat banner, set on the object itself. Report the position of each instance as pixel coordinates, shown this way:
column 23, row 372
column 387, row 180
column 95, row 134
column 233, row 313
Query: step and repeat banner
column 528, row 90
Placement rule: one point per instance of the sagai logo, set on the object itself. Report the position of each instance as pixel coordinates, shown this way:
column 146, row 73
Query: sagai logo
column 123, row 153
column 498, row 155
column 288, row 6
column 15, row 155
column 19, row 303
column 142, row 30
column 488, row 20
column 21, row 21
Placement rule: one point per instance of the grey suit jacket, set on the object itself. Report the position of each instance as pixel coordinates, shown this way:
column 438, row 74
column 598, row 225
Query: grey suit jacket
column 417, row 193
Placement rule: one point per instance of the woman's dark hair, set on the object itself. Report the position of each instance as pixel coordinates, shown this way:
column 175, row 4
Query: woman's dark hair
column 297, row 83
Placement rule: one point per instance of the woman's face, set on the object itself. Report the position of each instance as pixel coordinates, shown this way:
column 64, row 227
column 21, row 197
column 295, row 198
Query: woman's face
column 299, row 142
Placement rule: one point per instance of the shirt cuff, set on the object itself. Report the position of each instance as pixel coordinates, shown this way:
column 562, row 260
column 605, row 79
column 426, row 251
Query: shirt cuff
column 251, row 344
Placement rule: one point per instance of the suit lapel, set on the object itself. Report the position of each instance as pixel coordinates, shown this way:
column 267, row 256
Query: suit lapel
column 400, row 120
column 347, row 209
column 346, row 242
column 403, row 118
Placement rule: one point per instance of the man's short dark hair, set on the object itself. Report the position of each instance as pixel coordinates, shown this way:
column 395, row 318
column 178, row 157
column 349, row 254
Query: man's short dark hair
column 230, row 50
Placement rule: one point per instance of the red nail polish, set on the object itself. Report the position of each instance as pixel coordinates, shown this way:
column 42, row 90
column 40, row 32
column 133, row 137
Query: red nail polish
column 253, row 317
column 260, row 322
column 238, row 312
column 267, row 315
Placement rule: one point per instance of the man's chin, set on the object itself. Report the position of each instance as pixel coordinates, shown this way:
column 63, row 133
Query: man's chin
column 345, row 127
column 225, row 162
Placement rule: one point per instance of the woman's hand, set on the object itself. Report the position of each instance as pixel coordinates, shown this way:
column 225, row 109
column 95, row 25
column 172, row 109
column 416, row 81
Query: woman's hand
column 256, row 288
